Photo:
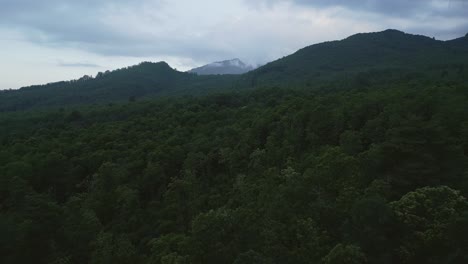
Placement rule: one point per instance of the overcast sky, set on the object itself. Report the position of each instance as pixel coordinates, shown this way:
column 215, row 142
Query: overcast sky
column 43, row 41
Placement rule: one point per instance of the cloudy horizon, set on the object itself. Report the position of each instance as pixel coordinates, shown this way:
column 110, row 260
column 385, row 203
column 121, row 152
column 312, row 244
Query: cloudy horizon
column 52, row 40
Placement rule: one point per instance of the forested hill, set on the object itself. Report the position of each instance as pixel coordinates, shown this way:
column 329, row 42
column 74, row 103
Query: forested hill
column 144, row 80
column 390, row 54
column 358, row 60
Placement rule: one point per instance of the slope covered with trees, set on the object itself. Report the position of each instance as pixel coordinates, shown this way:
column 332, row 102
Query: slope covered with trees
column 270, row 176
column 389, row 53
column 140, row 81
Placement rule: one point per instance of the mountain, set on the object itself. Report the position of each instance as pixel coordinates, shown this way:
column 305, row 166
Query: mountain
column 379, row 52
column 144, row 80
column 359, row 60
column 234, row 66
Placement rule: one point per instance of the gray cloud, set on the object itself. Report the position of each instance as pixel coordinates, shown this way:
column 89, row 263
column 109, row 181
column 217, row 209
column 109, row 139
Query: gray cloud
column 83, row 23
column 78, row 64
column 119, row 30
column 107, row 27
column 443, row 18
column 398, row 8
column 142, row 28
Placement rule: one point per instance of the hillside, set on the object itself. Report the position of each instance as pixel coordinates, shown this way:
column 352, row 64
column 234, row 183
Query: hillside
column 389, row 52
column 132, row 83
column 354, row 61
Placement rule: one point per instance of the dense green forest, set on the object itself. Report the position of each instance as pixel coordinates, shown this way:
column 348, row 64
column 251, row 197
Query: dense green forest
column 367, row 167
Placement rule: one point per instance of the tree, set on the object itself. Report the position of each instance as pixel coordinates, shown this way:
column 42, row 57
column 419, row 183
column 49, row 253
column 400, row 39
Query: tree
column 416, row 153
column 214, row 235
column 350, row 142
column 81, row 226
column 373, row 227
column 170, row 249
column 426, row 215
column 114, row 249
column 345, row 254
column 252, row 257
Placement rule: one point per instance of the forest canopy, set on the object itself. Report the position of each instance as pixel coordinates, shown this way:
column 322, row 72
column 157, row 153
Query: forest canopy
column 270, row 176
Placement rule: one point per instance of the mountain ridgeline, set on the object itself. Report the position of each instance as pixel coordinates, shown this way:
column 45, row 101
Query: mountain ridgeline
column 353, row 61
column 144, row 80
column 391, row 53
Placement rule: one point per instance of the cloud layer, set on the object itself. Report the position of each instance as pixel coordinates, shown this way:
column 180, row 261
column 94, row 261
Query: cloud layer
column 401, row 8
column 189, row 33
column 188, row 29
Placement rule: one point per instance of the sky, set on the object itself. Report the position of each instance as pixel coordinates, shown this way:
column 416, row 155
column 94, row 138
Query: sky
column 44, row 41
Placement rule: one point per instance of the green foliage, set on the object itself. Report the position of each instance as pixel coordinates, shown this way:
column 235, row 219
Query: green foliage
column 170, row 249
column 251, row 257
column 426, row 216
column 110, row 248
column 345, row 254
column 350, row 142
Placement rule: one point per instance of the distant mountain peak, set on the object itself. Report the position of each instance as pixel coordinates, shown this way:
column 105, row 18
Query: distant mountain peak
column 148, row 67
column 233, row 66
column 392, row 31
column 385, row 33
column 389, row 35
column 160, row 64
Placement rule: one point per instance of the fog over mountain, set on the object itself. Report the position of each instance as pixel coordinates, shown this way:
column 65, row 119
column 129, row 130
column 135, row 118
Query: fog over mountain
column 234, row 66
